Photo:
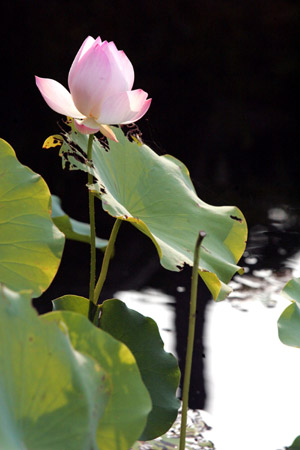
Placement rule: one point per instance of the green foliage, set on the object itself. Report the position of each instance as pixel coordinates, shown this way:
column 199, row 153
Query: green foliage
column 51, row 395
column 129, row 405
column 73, row 229
column 82, row 387
column 77, row 304
column 30, row 244
column 156, row 195
column 295, row 445
column 289, row 321
column 158, row 369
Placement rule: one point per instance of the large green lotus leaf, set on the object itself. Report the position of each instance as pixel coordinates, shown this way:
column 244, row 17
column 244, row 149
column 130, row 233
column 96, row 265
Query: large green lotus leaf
column 156, row 195
column 126, row 414
column 51, row 396
column 73, row 229
column 76, row 303
column 295, row 445
column 158, row 368
column 30, row 244
column 289, row 321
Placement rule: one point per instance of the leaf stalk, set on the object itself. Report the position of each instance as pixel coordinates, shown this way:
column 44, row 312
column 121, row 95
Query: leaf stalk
column 190, row 341
column 106, row 259
column 92, row 225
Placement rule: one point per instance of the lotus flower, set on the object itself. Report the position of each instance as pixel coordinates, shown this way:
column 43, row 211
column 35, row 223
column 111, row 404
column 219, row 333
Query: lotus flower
column 100, row 82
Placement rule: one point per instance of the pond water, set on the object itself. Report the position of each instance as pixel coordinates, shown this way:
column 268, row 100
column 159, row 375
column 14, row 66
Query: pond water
column 251, row 377
column 253, row 393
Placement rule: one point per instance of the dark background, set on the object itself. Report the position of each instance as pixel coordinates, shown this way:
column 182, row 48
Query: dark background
column 222, row 75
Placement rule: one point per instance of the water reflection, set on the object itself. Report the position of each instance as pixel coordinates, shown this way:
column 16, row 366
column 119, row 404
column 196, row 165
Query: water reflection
column 275, row 240
column 250, row 375
column 253, row 395
column 294, row 263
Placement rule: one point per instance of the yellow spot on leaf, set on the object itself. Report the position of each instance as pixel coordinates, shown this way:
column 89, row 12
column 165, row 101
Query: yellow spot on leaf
column 137, row 140
column 53, row 141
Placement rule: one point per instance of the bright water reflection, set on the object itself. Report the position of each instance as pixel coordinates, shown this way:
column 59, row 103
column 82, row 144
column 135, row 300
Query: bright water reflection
column 252, row 378
column 253, row 393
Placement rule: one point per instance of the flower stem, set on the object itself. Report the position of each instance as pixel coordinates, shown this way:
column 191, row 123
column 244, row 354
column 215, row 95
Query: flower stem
column 92, row 225
column 190, row 341
column 106, row 259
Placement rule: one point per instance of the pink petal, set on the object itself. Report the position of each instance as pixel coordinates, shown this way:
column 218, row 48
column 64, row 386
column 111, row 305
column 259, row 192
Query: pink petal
column 87, row 44
column 87, row 126
column 128, row 71
column 122, row 70
column 141, row 112
column 124, row 108
column 57, row 97
column 90, row 79
column 108, row 132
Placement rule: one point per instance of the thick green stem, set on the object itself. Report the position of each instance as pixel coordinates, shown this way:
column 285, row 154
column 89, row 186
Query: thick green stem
column 106, row 259
column 190, row 342
column 92, row 225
